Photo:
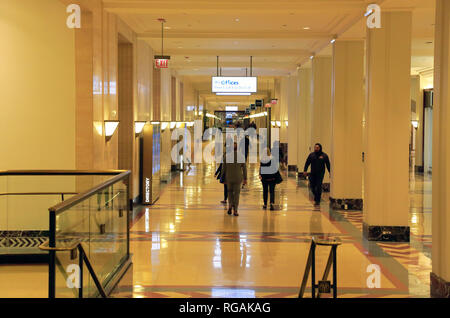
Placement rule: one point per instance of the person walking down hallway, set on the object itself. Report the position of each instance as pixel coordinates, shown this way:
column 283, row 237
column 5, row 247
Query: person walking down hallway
column 269, row 181
column 318, row 160
column 234, row 174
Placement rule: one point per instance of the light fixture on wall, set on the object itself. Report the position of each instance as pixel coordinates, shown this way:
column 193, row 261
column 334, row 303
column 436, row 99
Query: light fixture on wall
column 164, row 125
column 179, row 124
column 139, row 127
column 172, row 124
column 286, row 123
column 273, row 123
column 110, row 128
column 279, row 123
column 415, row 123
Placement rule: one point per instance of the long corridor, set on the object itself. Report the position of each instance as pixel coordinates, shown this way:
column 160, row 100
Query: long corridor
column 187, row 246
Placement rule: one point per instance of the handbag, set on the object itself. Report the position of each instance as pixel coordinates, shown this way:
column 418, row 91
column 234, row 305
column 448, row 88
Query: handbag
column 278, row 178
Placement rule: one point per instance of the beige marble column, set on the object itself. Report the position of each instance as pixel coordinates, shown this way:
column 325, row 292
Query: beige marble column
column 440, row 277
column 346, row 127
column 387, row 125
column 321, row 107
column 304, row 117
column 290, row 121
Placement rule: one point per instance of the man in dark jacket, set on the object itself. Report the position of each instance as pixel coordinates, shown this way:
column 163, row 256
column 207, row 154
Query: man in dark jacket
column 318, row 160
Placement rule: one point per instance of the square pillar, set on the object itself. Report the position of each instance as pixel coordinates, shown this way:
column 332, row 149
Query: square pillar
column 440, row 277
column 321, row 107
column 387, row 129
column 346, row 128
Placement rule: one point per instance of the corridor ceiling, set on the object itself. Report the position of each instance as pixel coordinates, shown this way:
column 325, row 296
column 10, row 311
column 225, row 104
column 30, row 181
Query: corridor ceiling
column 280, row 35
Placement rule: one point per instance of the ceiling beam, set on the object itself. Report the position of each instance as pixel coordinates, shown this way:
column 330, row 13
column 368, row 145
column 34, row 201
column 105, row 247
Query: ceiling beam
column 231, row 6
column 282, row 34
column 236, row 52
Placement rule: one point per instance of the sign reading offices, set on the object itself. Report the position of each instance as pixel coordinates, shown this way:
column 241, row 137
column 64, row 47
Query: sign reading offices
column 234, row 84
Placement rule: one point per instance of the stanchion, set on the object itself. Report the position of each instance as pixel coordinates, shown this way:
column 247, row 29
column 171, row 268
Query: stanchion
column 324, row 286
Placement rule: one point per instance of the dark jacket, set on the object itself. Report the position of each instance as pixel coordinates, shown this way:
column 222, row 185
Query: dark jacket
column 318, row 161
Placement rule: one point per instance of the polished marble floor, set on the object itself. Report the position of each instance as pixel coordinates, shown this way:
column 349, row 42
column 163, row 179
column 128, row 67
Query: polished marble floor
column 187, row 246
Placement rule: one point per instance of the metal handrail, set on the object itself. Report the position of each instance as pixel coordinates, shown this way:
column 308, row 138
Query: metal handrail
column 63, row 206
column 38, row 193
column 58, row 172
column 83, row 258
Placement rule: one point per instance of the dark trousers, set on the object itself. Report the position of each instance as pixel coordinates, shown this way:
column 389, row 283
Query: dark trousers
column 268, row 186
column 225, row 192
column 315, row 184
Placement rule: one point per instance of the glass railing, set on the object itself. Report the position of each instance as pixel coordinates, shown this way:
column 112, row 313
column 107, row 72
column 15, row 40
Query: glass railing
column 98, row 219
column 25, row 197
column 87, row 207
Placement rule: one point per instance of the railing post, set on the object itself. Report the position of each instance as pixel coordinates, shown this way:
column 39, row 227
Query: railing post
column 334, row 271
column 313, row 270
column 129, row 204
column 52, row 257
column 80, row 264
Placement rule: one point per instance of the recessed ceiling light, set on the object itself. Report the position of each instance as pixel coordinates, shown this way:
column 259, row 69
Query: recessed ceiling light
column 180, row 47
column 306, row 28
column 167, row 28
column 237, row 20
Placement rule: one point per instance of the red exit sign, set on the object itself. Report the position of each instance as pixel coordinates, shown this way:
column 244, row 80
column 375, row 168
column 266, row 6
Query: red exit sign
column 162, row 61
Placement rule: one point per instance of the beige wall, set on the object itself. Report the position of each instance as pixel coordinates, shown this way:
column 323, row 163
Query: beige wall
column 37, row 86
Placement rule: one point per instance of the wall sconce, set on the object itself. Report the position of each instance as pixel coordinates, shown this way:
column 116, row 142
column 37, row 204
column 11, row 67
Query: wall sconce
column 139, row 127
column 164, row 125
column 415, row 123
column 273, row 123
column 179, row 124
column 190, row 124
column 279, row 123
column 172, row 124
column 110, row 128
column 286, row 123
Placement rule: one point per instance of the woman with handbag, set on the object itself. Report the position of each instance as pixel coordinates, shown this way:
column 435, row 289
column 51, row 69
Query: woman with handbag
column 269, row 181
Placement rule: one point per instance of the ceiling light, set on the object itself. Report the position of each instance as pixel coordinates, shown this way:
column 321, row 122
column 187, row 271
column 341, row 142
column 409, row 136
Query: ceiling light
column 110, row 128
column 172, row 125
column 415, row 123
column 306, row 28
column 167, row 28
column 179, row 124
column 237, row 20
column 332, row 41
column 164, row 125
